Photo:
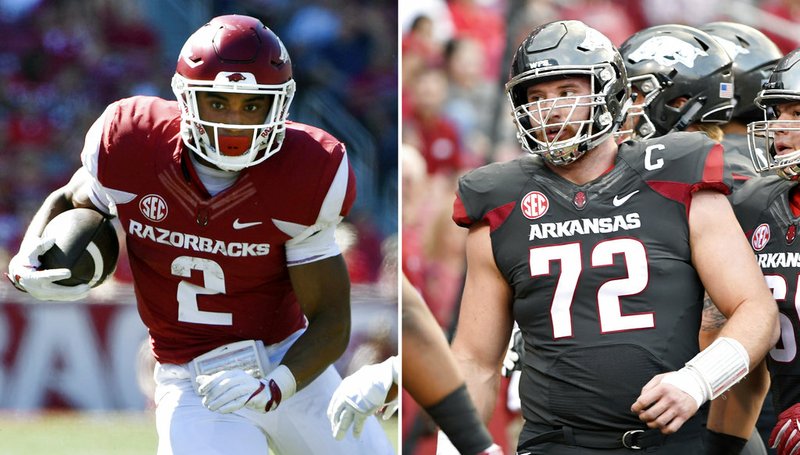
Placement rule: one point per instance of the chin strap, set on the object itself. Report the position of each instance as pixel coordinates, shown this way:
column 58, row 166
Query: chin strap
column 688, row 117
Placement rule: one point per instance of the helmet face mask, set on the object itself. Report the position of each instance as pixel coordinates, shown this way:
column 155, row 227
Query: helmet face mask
column 234, row 55
column 774, row 142
column 637, row 124
column 564, row 50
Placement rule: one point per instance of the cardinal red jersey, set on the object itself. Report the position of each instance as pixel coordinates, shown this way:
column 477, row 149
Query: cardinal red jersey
column 604, row 289
column 213, row 270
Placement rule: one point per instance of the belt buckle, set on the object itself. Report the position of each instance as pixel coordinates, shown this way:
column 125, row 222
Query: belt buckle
column 629, row 435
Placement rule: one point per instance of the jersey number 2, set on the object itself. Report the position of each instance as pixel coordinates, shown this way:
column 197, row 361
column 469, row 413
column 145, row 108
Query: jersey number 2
column 213, row 283
column 609, row 293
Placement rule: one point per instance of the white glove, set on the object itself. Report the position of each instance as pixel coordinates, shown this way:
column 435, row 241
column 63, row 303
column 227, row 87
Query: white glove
column 513, row 401
column 516, row 348
column 231, row 390
column 360, row 395
column 24, row 273
column 445, row 447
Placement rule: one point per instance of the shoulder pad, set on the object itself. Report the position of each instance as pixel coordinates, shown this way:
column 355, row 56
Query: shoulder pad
column 681, row 158
column 492, row 187
column 756, row 196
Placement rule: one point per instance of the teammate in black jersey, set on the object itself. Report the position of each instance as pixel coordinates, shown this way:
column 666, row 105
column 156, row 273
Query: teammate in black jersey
column 769, row 212
column 703, row 80
column 601, row 253
column 745, row 406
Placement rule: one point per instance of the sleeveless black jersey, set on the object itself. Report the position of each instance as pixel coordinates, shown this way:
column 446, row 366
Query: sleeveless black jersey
column 604, row 290
column 762, row 207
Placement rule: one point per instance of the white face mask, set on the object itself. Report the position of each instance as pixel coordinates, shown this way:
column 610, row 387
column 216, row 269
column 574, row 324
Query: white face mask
column 263, row 140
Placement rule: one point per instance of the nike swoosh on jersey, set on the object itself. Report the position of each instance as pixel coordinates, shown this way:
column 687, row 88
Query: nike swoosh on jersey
column 621, row 200
column 239, row 225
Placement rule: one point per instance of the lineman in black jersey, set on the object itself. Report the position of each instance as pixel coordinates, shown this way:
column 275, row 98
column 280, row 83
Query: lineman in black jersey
column 698, row 92
column 769, row 212
column 601, row 256
column 721, row 63
column 746, row 405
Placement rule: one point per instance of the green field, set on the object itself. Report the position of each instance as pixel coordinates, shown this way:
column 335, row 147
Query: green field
column 69, row 433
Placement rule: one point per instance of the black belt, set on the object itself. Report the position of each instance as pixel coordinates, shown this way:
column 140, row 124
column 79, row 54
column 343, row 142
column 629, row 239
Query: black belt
column 631, row 439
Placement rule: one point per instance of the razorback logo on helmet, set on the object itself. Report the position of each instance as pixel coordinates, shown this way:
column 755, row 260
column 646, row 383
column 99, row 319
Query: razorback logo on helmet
column 731, row 48
column 227, row 76
column 667, row 51
column 153, row 207
column 284, row 53
column 595, row 40
column 760, row 237
column 534, row 205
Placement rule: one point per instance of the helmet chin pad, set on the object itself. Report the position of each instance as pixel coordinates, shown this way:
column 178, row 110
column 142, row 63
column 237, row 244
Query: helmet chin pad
column 234, row 145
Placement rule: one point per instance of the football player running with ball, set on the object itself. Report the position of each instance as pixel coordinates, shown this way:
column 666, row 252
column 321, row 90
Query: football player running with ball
column 601, row 254
column 229, row 212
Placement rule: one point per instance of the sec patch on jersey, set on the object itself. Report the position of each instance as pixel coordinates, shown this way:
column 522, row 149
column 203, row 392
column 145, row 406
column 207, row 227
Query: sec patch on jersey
column 85, row 242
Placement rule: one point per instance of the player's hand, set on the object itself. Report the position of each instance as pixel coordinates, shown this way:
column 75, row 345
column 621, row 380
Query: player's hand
column 785, row 436
column 663, row 405
column 231, row 390
column 24, row 273
column 516, row 348
column 360, row 395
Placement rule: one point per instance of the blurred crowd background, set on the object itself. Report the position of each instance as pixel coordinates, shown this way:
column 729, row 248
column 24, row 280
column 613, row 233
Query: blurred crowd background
column 63, row 61
column 455, row 117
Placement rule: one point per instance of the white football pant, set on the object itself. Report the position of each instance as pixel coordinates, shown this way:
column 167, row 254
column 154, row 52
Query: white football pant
column 299, row 426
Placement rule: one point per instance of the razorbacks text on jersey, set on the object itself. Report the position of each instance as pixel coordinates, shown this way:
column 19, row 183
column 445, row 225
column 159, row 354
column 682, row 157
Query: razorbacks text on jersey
column 213, row 270
column 764, row 208
column 604, row 289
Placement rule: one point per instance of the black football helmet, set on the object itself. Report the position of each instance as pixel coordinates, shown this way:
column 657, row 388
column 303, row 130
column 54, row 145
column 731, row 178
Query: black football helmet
column 666, row 62
column 782, row 87
column 565, row 49
column 754, row 56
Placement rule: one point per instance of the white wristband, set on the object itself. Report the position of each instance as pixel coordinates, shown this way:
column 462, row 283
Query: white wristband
column 284, row 378
column 688, row 381
column 721, row 365
column 713, row 371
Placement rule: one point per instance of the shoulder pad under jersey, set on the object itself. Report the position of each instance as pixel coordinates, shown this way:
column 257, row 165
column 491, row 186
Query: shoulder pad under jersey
column 756, row 196
column 491, row 188
column 680, row 158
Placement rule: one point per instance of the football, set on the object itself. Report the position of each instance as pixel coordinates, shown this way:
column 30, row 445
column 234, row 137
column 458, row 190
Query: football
column 85, row 242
